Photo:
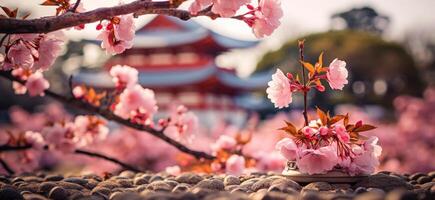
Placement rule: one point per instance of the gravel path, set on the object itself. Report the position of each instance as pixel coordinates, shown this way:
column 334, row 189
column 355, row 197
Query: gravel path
column 137, row 186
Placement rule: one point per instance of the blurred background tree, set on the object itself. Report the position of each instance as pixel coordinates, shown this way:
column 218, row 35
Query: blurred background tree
column 379, row 70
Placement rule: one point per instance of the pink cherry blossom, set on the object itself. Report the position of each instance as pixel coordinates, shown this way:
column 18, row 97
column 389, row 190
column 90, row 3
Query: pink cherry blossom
column 111, row 45
column 173, row 170
column 19, row 88
column 117, row 39
column 136, row 98
column 125, row 30
column 36, row 84
column 308, row 131
column 287, row 148
column 323, row 130
column 224, row 8
column 79, row 91
column 224, row 142
column 60, row 137
column 337, row 74
column 341, row 132
column 235, row 165
column 124, row 76
column 35, row 139
column 267, row 17
column 366, row 158
column 183, row 125
column 270, row 161
column 317, row 161
column 19, row 55
column 50, row 46
column 89, row 128
column 279, row 90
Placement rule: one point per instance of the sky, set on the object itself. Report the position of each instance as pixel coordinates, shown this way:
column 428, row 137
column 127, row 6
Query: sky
column 300, row 17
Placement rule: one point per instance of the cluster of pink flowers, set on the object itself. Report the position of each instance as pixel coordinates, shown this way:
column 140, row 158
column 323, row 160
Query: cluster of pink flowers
column 182, row 124
column 282, row 87
column 324, row 144
column 263, row 19
column 117, row 34
column 28, row 55
column 363, row 159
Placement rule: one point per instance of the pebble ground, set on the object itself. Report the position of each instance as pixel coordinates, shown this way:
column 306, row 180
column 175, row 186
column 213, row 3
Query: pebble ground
column 190, row 186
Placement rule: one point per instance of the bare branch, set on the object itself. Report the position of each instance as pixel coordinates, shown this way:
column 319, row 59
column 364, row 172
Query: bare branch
column 5, row 166
column 76, row 5
column 4, row 148
column 110, row 116
column 53, row 23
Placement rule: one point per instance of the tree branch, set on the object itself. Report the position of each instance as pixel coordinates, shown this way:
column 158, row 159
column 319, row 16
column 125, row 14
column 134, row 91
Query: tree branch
column 4, row 148
column 110, row 116
column 70, row 19
column 6, row 166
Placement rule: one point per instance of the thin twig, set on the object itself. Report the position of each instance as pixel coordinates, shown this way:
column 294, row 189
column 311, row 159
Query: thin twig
column 76, row 5
column 110, row 116
column 97, row 155
column 5, row 166
column 4, row 148
column 301, row 57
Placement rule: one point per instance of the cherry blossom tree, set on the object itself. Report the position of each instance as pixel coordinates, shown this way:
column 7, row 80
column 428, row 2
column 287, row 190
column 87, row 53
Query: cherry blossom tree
column 30, row 47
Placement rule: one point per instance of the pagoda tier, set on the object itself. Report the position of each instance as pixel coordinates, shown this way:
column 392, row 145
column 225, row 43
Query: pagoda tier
column 170, row 34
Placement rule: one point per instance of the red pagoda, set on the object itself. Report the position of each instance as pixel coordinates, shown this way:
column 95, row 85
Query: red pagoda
column 177, row 60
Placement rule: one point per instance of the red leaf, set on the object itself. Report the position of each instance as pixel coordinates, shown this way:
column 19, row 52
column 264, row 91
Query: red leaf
column 322, row 115
column 364, row 127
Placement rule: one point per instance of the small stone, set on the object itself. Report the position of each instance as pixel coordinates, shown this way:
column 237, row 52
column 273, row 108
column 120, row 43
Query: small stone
column 200, row 193
column 109, row 184
column 231, row 180
column 10, row 194
column 53, row 178
column 34, row 197
column 127, row 174
column 171, row 183
column 261, row 184
column 159, row 186
column 230, row 187
column 32, row 187
column 124, row 196
column 319, row 186
column 46, row 187
column 140, row 181
column 212, row 184
column 369, row 196
column 400, row 194
column 33, row 179
column 427, row 186
column 101, row 190
column 282, row 188
column 416, row 176
column 126, row 183
column 384, row 182
column 76, row 180
column 181, row 188
column 309, row 195
column 189, row 178
column 58, row 193
column 423, row 179
column 360, row 190
column 156, row 178
column 287, row 182
column 376, row 190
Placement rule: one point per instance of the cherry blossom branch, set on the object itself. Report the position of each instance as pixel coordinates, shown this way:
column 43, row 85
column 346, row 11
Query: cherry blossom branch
column 4, row 148
column 305, row 91
column 70, row 19
column 107, row 114
column 5, row 166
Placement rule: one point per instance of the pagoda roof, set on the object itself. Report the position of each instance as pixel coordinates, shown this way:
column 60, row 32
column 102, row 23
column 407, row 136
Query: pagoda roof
column 167, row 31
column 209, row 78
